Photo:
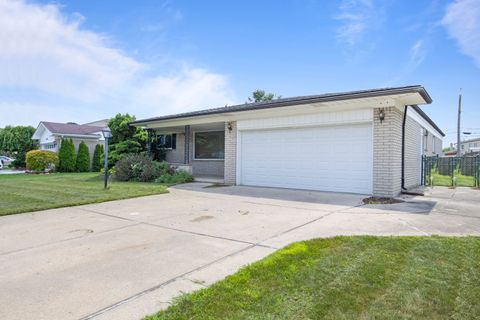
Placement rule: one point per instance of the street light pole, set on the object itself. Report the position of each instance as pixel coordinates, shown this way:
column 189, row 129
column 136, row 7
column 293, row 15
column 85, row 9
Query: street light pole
column 459, row 151
column 105, row 176
column 106, row 135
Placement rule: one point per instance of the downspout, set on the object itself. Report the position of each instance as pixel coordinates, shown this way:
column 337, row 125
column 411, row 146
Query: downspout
column 403, row 147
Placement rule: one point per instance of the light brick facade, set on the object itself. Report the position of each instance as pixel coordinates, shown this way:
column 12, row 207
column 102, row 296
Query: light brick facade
column 230, row 175
column 387, row 152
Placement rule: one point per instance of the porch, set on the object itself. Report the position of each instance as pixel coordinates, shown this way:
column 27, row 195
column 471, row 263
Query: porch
column 198, row 149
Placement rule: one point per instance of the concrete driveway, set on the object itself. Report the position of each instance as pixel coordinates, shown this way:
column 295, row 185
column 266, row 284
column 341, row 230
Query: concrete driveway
column 125, row 259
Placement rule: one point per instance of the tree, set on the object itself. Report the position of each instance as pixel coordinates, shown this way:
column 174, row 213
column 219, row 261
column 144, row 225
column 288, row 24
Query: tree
column 83, row 158
column 261, row 95
column 125, row 138
column 97, row 158
column 16, row 142
column 66, row 156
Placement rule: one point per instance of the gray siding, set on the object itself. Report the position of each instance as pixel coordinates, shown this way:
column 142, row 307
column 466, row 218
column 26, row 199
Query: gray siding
column 413, row 153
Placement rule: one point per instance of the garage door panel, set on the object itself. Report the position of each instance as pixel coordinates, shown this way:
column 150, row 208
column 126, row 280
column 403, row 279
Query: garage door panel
column 318, row 158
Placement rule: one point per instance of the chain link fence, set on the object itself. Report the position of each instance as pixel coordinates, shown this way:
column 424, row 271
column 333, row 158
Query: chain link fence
column 461, row 171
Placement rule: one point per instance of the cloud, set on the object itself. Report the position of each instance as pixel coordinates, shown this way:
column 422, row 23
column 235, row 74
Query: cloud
column 417, row 54
column 56, row 64
column 44, row 50
column 190, row 88
column 356, row 16
column 462, row 21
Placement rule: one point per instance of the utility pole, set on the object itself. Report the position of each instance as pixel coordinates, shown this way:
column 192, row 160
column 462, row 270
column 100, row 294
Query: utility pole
column 459, row 151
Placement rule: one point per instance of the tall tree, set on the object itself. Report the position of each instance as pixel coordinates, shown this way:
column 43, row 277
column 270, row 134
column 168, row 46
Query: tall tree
column 260, row 95
column 97, row 158
column 83, row 158
column 125, row 139
column 16, row 141
column 66, row 156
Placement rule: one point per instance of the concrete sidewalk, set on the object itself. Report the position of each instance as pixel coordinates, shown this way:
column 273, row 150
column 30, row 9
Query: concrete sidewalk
column 125, row 259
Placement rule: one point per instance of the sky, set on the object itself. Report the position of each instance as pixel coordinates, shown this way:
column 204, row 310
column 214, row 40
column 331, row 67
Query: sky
column 80, row 61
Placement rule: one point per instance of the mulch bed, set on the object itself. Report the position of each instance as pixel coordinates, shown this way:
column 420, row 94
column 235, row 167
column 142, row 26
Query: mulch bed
column 381, row 200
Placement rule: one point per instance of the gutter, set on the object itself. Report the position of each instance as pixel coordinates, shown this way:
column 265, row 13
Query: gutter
column 293, row 102
column 403, row 147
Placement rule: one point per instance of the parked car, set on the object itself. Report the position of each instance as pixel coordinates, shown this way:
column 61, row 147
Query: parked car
column 5, row 161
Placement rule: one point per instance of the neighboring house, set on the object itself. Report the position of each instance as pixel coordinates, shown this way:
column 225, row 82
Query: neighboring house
column 468, row 146
column 342, row 142
column 50, row 135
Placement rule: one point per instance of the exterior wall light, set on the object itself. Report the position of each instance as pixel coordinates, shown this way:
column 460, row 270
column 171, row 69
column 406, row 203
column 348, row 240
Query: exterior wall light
column 381, row 115
column 229, row 126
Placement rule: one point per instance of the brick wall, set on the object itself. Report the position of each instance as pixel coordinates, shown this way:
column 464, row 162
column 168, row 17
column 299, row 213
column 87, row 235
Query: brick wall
column 387, row 152
column 230, row 175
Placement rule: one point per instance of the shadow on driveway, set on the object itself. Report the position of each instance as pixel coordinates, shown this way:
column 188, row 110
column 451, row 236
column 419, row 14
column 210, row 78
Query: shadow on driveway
column 410, row 204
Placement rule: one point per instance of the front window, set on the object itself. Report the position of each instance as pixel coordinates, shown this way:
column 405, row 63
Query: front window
column 209, row 145
column 167, row 141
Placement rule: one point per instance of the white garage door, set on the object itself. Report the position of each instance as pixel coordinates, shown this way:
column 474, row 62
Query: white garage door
column 337, row 158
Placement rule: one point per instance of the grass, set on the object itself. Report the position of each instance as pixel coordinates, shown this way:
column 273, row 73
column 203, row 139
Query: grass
column 446, row 181
column 23, row 193
column 359, row 277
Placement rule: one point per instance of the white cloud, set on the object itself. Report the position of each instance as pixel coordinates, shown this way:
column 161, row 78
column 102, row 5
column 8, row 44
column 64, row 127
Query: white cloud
column 417, row 54
column 356, row 17
column 52, row 56
column 462, row 21
column 190, row 88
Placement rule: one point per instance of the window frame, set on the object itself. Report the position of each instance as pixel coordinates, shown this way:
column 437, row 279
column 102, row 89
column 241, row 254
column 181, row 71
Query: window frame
column 207, row 159
column 171, row 141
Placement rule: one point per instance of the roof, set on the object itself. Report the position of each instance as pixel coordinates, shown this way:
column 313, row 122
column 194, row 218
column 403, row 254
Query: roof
column 70, row 128
column 471, row 140
column 427, row 118
column 283, row 102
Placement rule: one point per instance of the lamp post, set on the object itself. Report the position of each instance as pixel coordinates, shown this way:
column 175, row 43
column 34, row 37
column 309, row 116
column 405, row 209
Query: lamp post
column 106, row 135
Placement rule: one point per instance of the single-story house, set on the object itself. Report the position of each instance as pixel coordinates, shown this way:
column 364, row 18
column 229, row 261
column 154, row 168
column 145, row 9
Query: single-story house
column 367, row 142
column 50, row 134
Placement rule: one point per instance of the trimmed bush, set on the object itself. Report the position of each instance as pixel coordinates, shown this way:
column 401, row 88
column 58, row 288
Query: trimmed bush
column 137, row 167
column 175, row 178
column 83, row 158
column 97, row 163
column 66, row 156
column 41, row 160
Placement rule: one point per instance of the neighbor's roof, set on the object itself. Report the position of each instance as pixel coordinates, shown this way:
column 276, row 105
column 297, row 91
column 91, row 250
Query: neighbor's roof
column 70, row 128
column 284, row 102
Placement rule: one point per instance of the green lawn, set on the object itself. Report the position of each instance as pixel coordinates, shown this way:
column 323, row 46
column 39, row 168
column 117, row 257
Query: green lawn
column 446, row 181
column 23, row 193
column 348, row 278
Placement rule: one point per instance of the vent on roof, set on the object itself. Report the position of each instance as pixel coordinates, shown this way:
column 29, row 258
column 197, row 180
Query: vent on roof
column 72, row 123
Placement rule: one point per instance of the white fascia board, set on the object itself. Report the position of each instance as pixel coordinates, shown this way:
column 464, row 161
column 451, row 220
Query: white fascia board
column 82, row 136
column 419, row 119
column 342, row 105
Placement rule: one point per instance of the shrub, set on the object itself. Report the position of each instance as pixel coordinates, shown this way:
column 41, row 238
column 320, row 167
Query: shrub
column 40, row 160
column 97, row 163
column 175, row 177
column 66, row 156
column 82, row 163
column 136, row 167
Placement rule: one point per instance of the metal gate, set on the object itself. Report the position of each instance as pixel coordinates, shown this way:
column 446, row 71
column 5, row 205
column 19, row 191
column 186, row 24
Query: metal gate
column 461, row 171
